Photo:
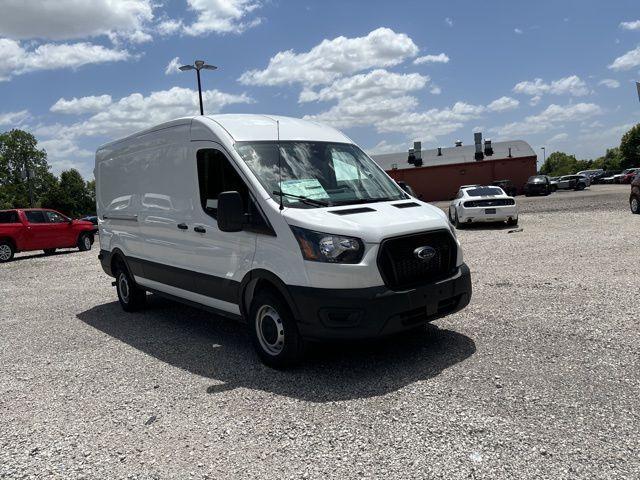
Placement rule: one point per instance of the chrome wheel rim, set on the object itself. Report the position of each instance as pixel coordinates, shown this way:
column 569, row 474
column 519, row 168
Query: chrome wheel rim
column 634, row 205
column 5, row 252
column 270, row 330
column 87, row 243
column 123, row 286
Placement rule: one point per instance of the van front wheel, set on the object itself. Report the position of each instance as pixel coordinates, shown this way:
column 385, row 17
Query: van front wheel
column 274, row 332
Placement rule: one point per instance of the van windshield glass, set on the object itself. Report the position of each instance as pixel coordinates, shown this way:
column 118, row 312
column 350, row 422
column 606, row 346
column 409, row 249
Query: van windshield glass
column 317, row 174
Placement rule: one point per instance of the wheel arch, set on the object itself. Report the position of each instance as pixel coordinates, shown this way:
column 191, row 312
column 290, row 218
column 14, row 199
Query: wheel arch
column 259, row 279
column 10, row 241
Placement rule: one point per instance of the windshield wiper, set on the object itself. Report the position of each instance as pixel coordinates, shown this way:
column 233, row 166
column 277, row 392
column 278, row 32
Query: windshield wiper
column 307, row 200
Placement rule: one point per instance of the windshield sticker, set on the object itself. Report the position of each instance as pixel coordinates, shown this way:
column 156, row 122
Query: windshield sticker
column 306, row 187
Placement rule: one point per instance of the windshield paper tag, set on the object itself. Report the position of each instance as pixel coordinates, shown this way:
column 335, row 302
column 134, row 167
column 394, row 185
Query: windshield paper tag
column 309, row 188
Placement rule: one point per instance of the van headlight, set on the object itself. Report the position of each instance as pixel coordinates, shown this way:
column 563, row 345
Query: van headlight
column 325, row 247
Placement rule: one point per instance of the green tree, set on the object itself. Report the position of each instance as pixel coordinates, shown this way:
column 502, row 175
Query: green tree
column 630, row 148
column 18, row 154
column 560, row 163
column 610, row 161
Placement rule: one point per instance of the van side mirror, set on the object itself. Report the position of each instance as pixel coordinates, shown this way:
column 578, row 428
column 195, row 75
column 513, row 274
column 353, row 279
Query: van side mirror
column 230, row 212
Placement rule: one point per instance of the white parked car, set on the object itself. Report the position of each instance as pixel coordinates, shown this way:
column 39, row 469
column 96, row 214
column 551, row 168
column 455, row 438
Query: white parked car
column 281, row 222
column 477, row 203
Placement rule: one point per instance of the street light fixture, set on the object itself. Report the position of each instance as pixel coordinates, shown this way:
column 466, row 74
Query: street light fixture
column 197, row 66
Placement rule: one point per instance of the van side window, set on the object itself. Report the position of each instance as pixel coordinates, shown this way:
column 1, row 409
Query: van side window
column 35, row 216
column 216, row 175
column 9, row 217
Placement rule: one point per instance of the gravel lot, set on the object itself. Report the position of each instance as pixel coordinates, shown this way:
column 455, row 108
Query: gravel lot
column 538, row 378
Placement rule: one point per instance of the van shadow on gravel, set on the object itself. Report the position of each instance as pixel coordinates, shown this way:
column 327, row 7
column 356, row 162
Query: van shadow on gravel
column 213, row 347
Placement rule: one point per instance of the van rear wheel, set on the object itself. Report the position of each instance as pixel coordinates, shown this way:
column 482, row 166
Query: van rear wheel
column 131, row 297
column 273, row 331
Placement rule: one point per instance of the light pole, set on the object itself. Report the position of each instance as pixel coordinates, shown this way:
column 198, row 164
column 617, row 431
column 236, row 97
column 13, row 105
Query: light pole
column 544, row 154
column 197, row 66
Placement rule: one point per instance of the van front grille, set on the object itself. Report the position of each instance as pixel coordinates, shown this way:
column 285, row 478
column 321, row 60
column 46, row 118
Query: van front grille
column 401, row 268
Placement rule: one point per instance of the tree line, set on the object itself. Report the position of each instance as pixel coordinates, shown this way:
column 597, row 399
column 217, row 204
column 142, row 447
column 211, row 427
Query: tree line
column 25, row 177
column 627, row 155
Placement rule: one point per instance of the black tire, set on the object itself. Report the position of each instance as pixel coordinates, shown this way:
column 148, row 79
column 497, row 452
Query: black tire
column 7, row 251
column 512, row 223
column 634, row 204
column 85, row 240
column 49, row 251
column 132, row 298
column 274, row 332
column 456, row 222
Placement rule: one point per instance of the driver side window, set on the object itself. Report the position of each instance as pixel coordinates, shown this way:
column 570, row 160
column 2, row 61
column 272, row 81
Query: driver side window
column 55, row 217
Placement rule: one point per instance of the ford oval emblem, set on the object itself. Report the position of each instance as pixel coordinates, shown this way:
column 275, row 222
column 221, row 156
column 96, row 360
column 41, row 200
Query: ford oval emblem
column 425, row 254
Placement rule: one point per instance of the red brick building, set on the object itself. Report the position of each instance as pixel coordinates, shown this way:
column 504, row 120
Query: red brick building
column 438, row 174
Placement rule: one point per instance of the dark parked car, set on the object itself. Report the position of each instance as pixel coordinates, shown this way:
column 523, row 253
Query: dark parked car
column 634, row 198
column 506, row 185
column 537, row 185
column 628, row 175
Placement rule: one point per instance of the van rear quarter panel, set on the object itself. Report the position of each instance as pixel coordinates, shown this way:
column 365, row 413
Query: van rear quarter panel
column 141, row 180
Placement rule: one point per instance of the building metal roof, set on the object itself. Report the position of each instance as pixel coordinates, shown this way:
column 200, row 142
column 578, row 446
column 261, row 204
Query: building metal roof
column 456, row 155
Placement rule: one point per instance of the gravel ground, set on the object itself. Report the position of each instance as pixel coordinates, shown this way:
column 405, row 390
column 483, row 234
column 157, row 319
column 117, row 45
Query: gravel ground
column 537, row 378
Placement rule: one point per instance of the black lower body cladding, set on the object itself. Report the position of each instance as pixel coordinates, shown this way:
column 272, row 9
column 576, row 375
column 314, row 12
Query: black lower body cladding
column 323, row 313
column 377, row 311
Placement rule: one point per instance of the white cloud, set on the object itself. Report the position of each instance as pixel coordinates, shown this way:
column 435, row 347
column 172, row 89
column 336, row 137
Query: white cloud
column 17, row 60
column 535, row 100
column 77, row 106
column 560, row 137
column 384, row 147
column 220, row 16
column 435, row 90
column 68, row 19
column 549, row 118
column 448, row 22
column 609, row 83
column 137, row 112
column 503, row 104
column 377, row 83
column 172, row 66
column 334, row 58
column 13, row 118
column 572, row 85
column 518, row 31
column 440, row 58
column 629, row 60
column 169, row 27
column 635, row 25
column 64, row 154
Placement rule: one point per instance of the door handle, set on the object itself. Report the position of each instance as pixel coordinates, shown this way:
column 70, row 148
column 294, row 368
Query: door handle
column 199, row 229
column 183, row 226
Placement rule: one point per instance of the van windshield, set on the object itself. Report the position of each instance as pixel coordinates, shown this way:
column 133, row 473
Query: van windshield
column 317, row 174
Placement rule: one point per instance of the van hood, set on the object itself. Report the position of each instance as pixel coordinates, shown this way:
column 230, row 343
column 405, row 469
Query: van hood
column 371, row 222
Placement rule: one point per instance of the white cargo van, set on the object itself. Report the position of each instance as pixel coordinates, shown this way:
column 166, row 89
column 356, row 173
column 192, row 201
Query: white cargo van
column 282, row 222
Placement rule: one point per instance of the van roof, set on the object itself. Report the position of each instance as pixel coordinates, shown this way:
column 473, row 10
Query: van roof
column 253, row 127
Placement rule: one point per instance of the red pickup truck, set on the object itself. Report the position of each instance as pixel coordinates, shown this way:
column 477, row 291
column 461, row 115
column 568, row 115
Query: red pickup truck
column 41, row 229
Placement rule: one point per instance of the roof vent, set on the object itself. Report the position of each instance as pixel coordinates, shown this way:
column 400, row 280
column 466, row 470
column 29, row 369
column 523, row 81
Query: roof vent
column 458, row 143
column 415, row 154
column 477, row 137
column 510, row 156
column 488, row 149
column 439, row 151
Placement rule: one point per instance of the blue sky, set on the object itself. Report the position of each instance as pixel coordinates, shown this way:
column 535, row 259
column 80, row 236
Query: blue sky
column 558, row 74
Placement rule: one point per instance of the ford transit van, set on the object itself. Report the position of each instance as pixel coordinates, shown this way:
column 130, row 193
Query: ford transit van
column 283, row 223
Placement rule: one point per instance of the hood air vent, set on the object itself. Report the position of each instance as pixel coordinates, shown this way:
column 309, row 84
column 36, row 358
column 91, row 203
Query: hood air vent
column 351, row 211
column 406, row 205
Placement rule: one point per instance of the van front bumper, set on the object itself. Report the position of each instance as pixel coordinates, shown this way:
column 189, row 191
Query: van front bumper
column 377, row 311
